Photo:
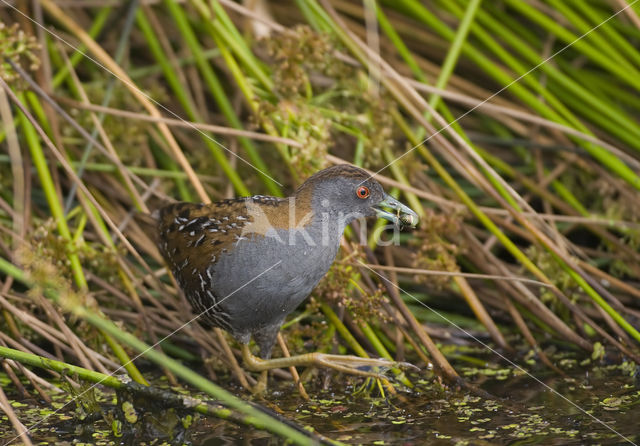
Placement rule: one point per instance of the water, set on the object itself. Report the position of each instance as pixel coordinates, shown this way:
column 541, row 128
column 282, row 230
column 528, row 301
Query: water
column 524, row 411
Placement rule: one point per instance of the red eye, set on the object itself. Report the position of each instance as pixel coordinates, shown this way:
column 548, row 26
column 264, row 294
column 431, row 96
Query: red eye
column 362, row 192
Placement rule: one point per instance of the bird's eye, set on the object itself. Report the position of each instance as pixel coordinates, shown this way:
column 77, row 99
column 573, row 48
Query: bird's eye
column 362, row 192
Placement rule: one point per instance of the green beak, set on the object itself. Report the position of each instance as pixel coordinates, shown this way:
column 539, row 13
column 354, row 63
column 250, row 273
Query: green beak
column 403, row 215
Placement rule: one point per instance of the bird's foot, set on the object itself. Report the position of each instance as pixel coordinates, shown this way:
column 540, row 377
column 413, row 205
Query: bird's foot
column 353, row 365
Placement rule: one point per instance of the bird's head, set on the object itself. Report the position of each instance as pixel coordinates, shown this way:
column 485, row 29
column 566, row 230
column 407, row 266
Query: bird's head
column 348, row 192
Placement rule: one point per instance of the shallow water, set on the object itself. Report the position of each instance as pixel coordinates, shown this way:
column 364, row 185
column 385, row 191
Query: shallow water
column 525, row 411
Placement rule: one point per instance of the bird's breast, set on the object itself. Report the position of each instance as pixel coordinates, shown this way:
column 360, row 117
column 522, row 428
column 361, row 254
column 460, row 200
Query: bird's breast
column 265, row 278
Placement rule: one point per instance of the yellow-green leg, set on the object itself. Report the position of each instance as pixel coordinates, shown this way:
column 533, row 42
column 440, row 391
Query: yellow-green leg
column 261, row 385
column 341, row 363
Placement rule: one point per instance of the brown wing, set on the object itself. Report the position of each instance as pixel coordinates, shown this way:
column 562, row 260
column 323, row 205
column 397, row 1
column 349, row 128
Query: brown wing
column 191, row 235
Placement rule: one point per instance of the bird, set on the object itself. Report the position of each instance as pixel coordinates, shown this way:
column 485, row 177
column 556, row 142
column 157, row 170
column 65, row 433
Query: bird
column 246, row 263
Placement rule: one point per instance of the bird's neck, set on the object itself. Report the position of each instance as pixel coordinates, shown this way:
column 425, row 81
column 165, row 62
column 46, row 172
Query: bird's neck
column 310, row 226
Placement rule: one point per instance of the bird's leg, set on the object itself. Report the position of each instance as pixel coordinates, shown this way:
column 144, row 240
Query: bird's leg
column 261, row 385
column 341, row 363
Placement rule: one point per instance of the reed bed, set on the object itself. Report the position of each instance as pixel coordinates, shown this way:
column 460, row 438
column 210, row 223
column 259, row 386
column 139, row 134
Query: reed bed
column 510, row 126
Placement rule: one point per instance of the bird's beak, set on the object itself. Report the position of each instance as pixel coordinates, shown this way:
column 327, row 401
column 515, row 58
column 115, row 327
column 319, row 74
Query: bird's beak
column 403, row 215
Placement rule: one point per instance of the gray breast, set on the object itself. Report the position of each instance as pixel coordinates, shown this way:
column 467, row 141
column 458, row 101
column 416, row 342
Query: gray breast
column 266, row 278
